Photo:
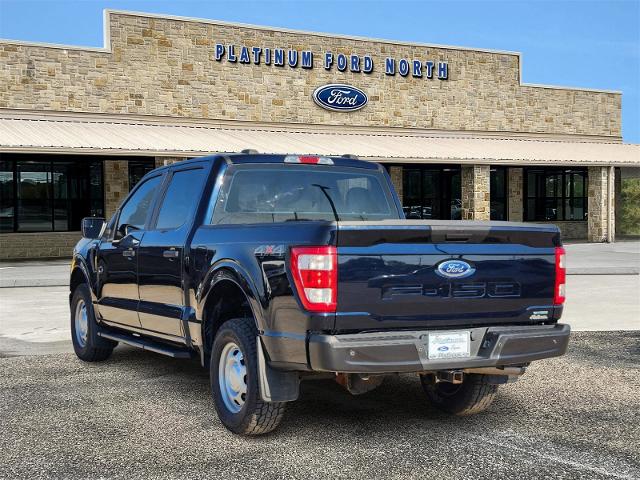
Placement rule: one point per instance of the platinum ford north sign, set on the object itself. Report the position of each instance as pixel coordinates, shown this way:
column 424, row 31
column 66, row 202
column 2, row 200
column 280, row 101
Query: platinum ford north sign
column 305, row 59
column 340, row 98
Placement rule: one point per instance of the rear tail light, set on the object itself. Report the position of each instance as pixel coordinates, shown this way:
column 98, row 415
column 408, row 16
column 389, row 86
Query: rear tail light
column 315, row 274
column 559, row 292
column 308, row 159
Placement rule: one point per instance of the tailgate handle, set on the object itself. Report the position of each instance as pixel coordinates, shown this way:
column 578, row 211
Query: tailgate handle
column 457, row 237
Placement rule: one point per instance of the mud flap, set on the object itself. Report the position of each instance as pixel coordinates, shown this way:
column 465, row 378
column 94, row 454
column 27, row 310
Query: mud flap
column 275, row 385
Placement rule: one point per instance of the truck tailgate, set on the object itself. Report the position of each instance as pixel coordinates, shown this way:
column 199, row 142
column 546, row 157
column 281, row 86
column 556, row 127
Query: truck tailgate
column 388, row 274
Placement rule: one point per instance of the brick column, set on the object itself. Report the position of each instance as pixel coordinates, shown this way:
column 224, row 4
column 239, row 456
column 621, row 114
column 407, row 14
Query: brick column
column 515, row 187
column 116, row 184
column 396, row 178
column 600, row 205
column 475, row 192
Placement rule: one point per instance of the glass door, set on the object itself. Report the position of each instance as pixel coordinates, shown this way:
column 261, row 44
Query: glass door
column 34, row 197
column 431, row 192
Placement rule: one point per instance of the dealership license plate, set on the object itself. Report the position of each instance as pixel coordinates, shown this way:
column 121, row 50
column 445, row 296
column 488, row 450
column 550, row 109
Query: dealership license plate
column 449, row 345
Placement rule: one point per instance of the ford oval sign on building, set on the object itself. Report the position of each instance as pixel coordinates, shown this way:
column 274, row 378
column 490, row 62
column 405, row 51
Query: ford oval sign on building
column 340, row 98
column 455, row 269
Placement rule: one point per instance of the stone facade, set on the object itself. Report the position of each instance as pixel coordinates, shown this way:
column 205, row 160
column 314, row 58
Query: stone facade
column 116, row 184
column 574, row 230
column 515, row 199
column 475, row 192
column 599, row 211
column 396, row 178
column 167, row 67
column 15, row 246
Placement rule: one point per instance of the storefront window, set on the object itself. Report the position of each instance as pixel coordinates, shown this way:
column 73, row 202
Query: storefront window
column 431, row 192
column 555, row 194
column 41, row 193
column 7, row 198
column 498, row 193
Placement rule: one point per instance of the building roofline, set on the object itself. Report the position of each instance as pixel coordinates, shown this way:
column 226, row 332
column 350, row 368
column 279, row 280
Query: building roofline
column 192, row 122
column 106, row 48
column 303, row 32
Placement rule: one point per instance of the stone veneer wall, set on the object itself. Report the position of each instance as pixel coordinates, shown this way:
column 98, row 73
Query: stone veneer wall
column 15, row 246
column 475, row 192
column 574, row 230
column 598, row 223
column 116, row 184
column 515, row 192
column 396, row 174
column 167, row 67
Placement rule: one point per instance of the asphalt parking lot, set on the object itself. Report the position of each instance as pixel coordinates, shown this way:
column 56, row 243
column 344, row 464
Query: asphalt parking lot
column 140, row 415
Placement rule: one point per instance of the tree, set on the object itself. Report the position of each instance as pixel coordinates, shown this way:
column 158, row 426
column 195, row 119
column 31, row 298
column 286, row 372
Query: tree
column 630, row 211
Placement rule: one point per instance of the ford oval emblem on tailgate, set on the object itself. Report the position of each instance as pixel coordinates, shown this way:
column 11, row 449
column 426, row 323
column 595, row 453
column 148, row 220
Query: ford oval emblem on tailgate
column 455, row 269
column 340, row 98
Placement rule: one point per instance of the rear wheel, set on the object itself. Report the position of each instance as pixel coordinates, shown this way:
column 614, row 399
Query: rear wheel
column 234, row 381
column 472, row 396
column 84, row 330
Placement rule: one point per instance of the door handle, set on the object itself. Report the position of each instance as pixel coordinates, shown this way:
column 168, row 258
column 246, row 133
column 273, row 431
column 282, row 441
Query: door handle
column 129, row 253
column 171, row 254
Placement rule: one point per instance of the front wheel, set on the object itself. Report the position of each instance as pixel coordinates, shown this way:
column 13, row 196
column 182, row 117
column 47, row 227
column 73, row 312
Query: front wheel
column 472, row 396
column 84, row 335
column 234, row 381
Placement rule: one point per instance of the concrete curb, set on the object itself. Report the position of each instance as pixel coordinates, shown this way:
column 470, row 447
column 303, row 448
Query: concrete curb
column 603, row 271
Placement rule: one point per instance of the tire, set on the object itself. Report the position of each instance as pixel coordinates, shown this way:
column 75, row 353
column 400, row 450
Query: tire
column 472, row 396
column 234, row 359
column 84, row 333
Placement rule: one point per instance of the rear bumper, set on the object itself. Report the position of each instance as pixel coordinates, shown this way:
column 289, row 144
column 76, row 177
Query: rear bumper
column 400, row 351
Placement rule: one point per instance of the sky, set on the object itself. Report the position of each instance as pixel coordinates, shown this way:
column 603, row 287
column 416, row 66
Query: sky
column 577, row 43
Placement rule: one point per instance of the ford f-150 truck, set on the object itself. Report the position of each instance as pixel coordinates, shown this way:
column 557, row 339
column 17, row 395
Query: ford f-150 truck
column 273, row 269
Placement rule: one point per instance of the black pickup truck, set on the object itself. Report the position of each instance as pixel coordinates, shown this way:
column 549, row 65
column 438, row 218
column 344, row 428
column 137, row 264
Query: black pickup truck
column 273, row 269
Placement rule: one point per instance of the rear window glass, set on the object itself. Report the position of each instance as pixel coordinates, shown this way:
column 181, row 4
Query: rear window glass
column 300, row 193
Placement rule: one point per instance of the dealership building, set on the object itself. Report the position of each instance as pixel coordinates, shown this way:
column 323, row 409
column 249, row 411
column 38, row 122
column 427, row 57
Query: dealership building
column 461, row 135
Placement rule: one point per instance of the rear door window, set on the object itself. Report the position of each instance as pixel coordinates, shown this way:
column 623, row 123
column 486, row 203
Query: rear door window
column 266, row 194
column 181, row 199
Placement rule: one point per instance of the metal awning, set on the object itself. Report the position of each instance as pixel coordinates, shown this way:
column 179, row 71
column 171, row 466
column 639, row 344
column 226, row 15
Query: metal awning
column 175, row 137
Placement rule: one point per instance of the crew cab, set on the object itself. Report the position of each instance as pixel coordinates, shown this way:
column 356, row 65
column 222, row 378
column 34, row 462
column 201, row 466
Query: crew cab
column 273, row 269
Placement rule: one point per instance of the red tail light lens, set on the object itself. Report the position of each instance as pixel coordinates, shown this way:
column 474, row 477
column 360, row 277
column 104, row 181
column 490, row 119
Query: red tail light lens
column 315, row 274
column 559, row 292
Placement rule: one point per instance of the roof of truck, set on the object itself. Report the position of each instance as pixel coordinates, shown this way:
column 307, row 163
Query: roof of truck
column 254, row 158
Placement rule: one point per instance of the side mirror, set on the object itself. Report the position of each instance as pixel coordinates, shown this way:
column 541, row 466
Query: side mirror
column 92, row 227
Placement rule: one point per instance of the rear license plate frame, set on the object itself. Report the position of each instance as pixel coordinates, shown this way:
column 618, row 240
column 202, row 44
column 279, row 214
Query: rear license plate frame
column 449, row 345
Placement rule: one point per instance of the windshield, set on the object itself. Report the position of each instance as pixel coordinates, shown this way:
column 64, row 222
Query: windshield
column 278, row 193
